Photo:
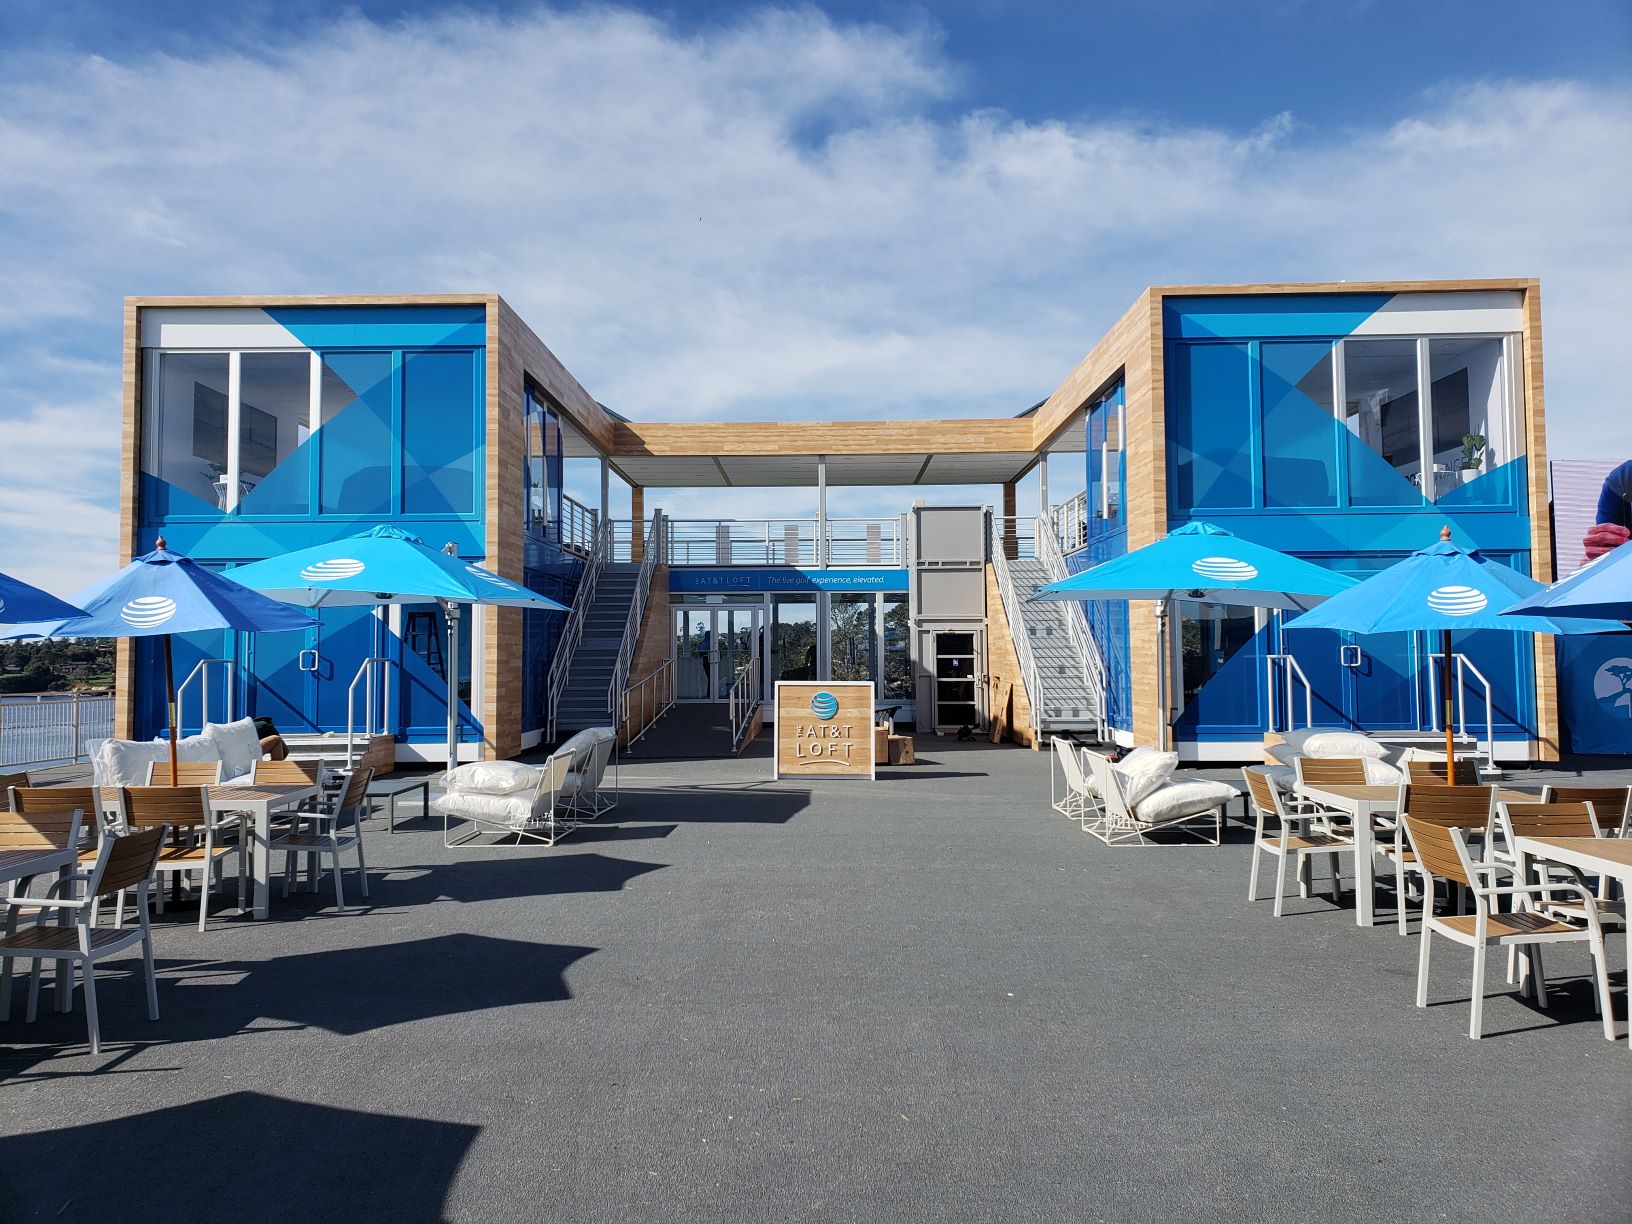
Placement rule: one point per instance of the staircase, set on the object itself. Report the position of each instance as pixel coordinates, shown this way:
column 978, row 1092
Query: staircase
column 1065, row 702
column 584, row 701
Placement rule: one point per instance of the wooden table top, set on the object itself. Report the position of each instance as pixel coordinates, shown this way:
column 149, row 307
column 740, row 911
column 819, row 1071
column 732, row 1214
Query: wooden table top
column 16, row 863
column 262, row 792
column 1615, row 853
column 1377, row 795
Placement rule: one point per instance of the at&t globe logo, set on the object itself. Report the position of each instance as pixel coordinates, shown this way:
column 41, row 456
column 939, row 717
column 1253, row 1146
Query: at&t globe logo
column 824, row 705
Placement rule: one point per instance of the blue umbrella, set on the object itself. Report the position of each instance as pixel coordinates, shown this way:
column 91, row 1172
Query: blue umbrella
column 161, row 593
column 1442, row 588
column 1203, row 562
column 387, row 565
column 1601, row 589
column 20, row 602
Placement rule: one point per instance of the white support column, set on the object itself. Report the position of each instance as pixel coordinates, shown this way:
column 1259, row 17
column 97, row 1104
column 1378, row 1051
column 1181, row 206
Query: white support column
column 821, row 511
column 1042, row 487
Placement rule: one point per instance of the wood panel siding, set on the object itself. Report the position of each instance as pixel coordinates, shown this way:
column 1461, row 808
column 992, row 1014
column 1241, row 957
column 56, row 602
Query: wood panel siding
column 1548, row 738
column 1003, row 666
column 130, row 461
column 972, row 436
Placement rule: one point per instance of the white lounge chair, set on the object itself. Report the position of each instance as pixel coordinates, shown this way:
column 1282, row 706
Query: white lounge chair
column 1179, row 806
column 538, row 814
column 1070, row 792
column 585, row 790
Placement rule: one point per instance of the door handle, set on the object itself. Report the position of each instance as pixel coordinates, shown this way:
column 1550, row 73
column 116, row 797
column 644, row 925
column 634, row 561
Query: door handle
column 301, row 661
column 1348, row 656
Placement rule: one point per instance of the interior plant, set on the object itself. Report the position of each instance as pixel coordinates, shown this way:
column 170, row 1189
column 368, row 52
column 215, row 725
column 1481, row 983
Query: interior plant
column 1473, row 452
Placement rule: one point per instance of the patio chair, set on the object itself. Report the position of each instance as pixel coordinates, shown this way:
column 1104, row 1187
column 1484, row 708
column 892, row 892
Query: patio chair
column 9, row 780
column 40, row 801
column 1442, row 854
column 1178, row 806
column 1560, row 820
column 584, row 789
column 55, row 828
column 1289, row 841
column 1611, row 805
column 194, row 825
column 323, row 831
column 287, row 772
column 537, row 814
column 1332, row 771
column 1462, row 807
column 188, row 773
column 1420, row 772
column 123, row 862
column 1079, row 798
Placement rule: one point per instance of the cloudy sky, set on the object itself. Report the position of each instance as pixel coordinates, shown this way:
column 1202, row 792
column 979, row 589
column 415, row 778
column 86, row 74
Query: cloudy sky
column 751, row 212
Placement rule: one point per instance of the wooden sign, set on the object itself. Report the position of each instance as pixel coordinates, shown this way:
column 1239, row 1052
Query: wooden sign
column 824, row 730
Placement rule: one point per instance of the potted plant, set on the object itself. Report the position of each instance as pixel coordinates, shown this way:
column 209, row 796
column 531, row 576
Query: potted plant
column 1473, row 456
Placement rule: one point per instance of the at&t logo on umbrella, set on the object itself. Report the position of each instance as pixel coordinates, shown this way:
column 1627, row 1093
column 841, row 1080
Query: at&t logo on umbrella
column 332, row 571
column 147, row 611
column 1457, row 600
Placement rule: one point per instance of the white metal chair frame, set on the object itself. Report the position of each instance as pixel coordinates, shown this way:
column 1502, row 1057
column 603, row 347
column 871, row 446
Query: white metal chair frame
column 319, row 831
column 1292, row 841
column 1523, row 925
column 1115, row 824
column 1078, row 802
column 587, row 775
column 203, row 857
column 550, row 820
column 85, row 943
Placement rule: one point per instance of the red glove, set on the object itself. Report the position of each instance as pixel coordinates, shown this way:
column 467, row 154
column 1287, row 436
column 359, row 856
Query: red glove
column 1603, row 537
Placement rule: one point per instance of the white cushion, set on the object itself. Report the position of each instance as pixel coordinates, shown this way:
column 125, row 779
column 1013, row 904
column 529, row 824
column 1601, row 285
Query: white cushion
column 1335, row 744
column 1381, row 773
column 513, row 811
column 1179, row 799
column 492, row 777
column 1142, row 771
column 1284, row 753
column 1283, row 778
column 124, row 762
column 578, row 744
column 237, row 745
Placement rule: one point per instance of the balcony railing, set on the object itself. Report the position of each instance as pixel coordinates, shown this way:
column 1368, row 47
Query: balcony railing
column 52, row 728
column 796, row 542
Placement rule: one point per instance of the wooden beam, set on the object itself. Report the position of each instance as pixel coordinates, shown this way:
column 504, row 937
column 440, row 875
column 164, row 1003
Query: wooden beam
column 744, row 439
column 637, row 515
column 1548, row 746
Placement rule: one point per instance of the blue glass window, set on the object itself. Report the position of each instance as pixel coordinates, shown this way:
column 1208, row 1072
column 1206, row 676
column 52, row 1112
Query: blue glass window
column 1301, row 436
column 1212, row 430
column 438, row 433
column 355, row 437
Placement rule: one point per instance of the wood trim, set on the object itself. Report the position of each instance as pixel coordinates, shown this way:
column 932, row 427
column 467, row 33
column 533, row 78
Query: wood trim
column 1548, row 746
column 315, row 299
column 130, row 441
column 1412, row 286
column 637, row 516
column 506, row 417
column 743, row 439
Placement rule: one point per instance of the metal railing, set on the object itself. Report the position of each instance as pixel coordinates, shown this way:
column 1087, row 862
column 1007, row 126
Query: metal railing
column 577, row 528
column 1095, row 679
column 1291, row 671
column 1015, row 537
column 376, row 700
column 52, row 728
column 1464, row 665
column 743, row 699
column 1017, row 626
column 654, row 555
column 1069, row 521
column 790, row 541
column 201, row 674
column 573, row 630
column 645, row 701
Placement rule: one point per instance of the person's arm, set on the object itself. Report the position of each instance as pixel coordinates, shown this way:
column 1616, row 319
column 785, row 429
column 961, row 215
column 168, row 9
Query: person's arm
column 1614, row 525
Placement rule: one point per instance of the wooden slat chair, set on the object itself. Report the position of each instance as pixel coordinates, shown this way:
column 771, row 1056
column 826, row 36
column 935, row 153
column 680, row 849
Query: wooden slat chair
column 1334, row 771
column 1611, row 805
column 54, row 828
column 1462, row 807
column 318, row 833
column 1426, row 773
column 1292, row 838
column 286, row 772
column 1561, row 820
column 1442, row 854
column 9, row 780
column 188, row 773
column 193, row 824
column 123, row 862
column 42, row 800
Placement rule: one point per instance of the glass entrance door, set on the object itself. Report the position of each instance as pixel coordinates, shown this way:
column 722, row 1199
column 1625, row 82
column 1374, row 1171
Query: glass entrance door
column 711, row 647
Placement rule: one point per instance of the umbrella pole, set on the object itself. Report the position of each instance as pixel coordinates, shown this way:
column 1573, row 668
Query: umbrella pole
column 1445, row 705
column 170, row 706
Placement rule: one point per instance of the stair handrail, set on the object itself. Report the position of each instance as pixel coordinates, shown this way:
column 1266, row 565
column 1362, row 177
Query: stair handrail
column 743, row 699
column 573, row 631
column 637, row 611
column 201, row 673
column 1290, row 669
column 1463, row 666
column 1017, row 625
column 377, row 664
column 1094, row 676
column 652, row 694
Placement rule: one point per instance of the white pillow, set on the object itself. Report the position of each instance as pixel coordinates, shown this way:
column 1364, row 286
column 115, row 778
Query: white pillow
column 1188, row 798
column 577, row 744
column 492, row 777
column 1284, row 753
column 512, row 811
column 1341, row 744
column 237, row 744
column 1141, row 772
column 124, row 762
column 1381, row 773
column 200, row 747
column 1283, row 778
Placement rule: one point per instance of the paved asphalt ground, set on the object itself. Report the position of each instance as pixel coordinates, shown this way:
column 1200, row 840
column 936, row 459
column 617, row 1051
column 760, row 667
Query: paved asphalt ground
column 925, row 999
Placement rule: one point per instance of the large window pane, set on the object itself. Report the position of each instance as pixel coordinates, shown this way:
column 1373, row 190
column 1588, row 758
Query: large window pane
column 438, row 433
column 853, row 626
column 186, row 429
column 898, row 683
column 1467, row 402
column 1300, row 433
column 1211, row 427
column 793, row 638
column 355, row 441
column 274, row 418
column 1380, row 410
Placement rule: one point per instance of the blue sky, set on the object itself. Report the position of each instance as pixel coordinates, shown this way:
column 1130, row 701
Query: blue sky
column 750, row 211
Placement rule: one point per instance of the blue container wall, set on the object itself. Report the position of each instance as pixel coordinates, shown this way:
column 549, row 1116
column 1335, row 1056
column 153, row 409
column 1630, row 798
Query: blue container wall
column 1252, row 452
column 1105, row 536
column 401, row 440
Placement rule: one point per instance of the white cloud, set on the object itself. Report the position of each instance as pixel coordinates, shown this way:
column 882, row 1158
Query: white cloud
column 768, row 219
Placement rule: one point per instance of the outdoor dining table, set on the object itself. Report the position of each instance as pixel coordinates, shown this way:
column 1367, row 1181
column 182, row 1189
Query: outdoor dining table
column 18, row 865
column 260, row 800
column 1362, row 803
